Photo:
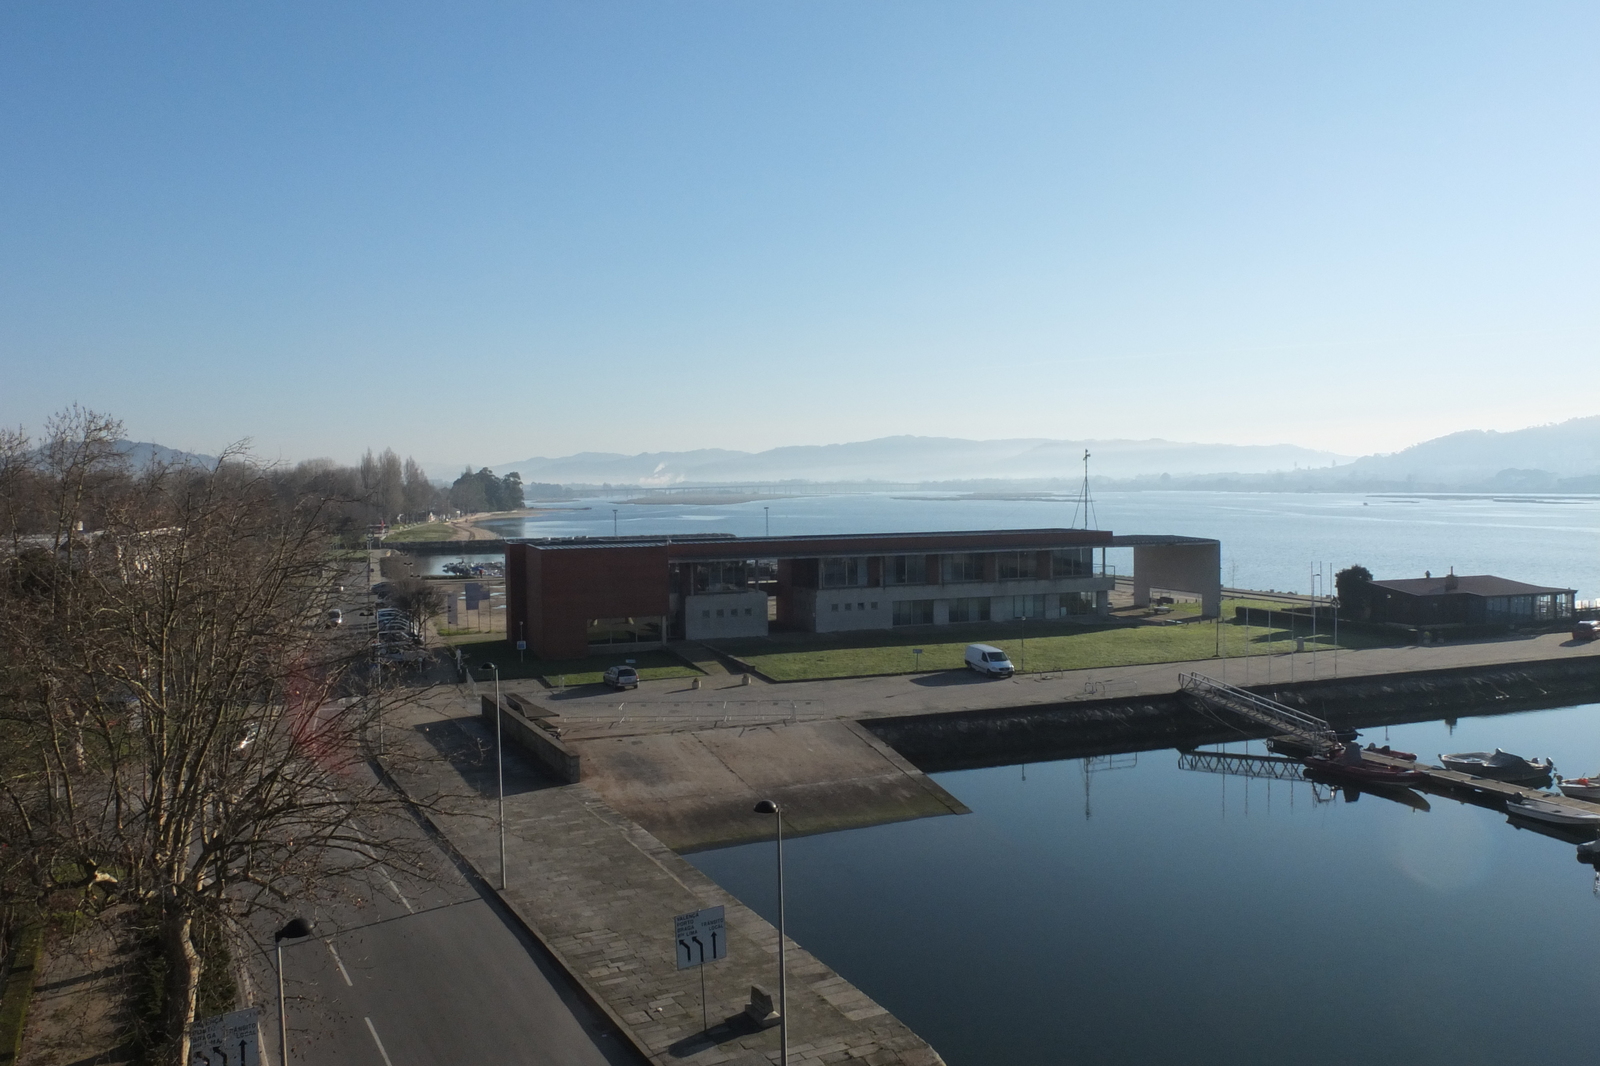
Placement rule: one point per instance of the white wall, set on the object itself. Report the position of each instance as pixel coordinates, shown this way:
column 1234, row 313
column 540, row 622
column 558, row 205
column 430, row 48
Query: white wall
column 855, row 608
column 716, row 615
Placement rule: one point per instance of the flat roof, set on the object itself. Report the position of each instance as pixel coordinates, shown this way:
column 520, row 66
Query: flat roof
column 1471, row 584
column 1146, row 540
column 725, row 546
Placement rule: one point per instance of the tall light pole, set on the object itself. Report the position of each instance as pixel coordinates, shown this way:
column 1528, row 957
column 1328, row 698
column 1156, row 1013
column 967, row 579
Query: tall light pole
column 767, row 514
column 296, row 929
column 500, row 772
column 613, row 521
column 769, row 807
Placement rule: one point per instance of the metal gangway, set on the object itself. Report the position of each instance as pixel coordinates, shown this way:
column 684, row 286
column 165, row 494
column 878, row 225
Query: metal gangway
column 1269, row 714
column 1270, row 767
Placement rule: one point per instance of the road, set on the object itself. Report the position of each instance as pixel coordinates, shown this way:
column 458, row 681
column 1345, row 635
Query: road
column 417, row 970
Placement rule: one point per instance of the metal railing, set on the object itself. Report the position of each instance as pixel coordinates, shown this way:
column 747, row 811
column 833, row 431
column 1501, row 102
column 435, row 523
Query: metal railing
column 1271, row 767
column 1260, row 710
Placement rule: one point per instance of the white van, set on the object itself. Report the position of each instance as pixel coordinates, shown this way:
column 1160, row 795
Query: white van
column 988, row 660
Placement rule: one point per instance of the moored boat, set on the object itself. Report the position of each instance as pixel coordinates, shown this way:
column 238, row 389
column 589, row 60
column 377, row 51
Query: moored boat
column 1498, row 765
column 1361, row 773
column 1583, row 788
column 1393, row 753
column 1538, row 810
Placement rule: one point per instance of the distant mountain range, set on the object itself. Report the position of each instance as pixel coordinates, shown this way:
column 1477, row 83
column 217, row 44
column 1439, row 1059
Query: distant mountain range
column 921, row 459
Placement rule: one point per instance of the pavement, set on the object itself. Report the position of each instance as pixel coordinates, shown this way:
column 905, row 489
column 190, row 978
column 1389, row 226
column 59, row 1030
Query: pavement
column 600, row 893
column 431, row 967
column 594, row 711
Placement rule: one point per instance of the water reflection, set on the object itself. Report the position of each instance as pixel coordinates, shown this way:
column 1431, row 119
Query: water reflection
column 1199, row 916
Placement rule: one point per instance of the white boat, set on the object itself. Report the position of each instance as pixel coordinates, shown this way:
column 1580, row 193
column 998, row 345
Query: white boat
column 1538, row 810
column 1498, row 765
column 1581, row 788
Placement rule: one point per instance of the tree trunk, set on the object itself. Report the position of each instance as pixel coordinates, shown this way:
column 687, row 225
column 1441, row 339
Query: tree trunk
column 183, row 983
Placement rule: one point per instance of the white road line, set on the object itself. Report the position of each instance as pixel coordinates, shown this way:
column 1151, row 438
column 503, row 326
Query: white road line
column 401, row 896
column 375, row 1040
column 337, row 961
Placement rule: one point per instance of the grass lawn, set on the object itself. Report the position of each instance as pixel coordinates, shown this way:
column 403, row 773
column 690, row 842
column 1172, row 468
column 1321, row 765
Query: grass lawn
column 491, row 648
column 1049, row 646
column 424, row 531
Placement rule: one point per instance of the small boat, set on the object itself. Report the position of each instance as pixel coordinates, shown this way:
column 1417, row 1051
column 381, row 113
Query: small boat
column 1361, row 773
column 1580, row 788
column 1498, row 765
column 1538, row 810
column 1393, row 753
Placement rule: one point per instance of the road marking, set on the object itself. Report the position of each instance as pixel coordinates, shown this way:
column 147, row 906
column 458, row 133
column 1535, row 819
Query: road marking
column 337, row 961
column 371, row 1029
column 401, row 896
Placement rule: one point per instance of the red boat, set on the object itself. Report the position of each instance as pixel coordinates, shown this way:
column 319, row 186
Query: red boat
column 1361, row 773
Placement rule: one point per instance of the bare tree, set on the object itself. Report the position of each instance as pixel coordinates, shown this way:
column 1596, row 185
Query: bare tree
column 176, row 723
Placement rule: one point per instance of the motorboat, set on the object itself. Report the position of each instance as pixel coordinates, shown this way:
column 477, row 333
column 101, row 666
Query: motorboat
column 1393, row 753
column 1581, row 788
column 1360, row 773
column 1498, row 765
column 1541, row 810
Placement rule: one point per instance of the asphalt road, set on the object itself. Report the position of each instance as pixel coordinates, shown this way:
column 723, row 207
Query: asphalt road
column 416, row 970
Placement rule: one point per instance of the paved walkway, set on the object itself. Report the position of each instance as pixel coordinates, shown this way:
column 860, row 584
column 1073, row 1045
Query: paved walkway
column 670, row 705
column 601, row 893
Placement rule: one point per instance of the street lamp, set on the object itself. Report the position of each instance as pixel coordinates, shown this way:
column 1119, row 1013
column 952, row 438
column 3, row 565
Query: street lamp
column 767, row 513
column 500, row 770
column 613, row 521
column 296, row 929
column 769, row 807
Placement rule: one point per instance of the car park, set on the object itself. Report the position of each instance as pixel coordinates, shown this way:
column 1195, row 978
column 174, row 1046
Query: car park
column 622, row 677
column 989, row 661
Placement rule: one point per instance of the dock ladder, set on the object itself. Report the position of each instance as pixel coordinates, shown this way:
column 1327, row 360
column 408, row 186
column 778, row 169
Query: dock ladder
column 1269, row 714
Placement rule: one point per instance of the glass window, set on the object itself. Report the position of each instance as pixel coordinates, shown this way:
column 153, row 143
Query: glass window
column 906, row 570
column 962, row 567
column 719, row 577
column 1072, row 562
column 1015, row 566
column 913, row 612
column 1075, row 603
column 970, row 609
column 842, row 573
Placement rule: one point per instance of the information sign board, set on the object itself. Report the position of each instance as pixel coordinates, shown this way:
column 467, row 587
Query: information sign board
column 227, row 1040
column 702, row 937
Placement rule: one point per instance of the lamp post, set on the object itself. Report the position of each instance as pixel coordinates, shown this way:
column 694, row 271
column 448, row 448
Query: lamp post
column 613, row 521
column 767, row 514
column 296, row 929
column 769, row 807
column 500, row 772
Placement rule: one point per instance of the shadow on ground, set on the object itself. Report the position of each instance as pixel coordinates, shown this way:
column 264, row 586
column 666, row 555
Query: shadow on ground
column 467, row 744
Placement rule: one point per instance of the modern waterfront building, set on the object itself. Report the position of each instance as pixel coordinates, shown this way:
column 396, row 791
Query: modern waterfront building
column 569, row 597
column 1479, row 599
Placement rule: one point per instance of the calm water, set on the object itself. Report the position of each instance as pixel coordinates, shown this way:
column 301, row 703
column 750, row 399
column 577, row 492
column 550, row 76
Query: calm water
column 1127, row 911
column 1269, row 540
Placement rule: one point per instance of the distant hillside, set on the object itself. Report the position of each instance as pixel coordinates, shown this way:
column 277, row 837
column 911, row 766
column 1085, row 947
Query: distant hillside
column 918, row 459
column 143, row 453
column 1564, row 450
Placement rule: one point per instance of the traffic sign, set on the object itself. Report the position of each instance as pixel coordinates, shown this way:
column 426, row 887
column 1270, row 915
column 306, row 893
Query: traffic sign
column 522, row 645
column 702, row 937
column 227, row 1040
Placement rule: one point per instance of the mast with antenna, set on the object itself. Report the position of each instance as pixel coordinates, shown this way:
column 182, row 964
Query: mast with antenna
column 1085, row 503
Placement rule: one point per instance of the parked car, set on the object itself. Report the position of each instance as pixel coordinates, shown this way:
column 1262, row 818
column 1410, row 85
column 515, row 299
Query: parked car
column 622, row 677
column 335, row 617
column 1586, row 631
column 988, row 661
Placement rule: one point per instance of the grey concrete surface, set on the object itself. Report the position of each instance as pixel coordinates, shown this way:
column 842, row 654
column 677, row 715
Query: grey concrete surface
column 600, row 892
column 429, row 968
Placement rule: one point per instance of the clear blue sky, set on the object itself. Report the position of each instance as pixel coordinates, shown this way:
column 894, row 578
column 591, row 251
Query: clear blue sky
column 485, row 232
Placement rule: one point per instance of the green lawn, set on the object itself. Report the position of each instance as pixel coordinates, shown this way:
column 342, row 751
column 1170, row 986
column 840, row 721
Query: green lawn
column 651, row 665
column 424, row 531
column 1049, row 646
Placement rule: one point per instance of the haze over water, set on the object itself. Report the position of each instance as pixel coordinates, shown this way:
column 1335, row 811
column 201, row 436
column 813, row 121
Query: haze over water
column 1269, row 540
